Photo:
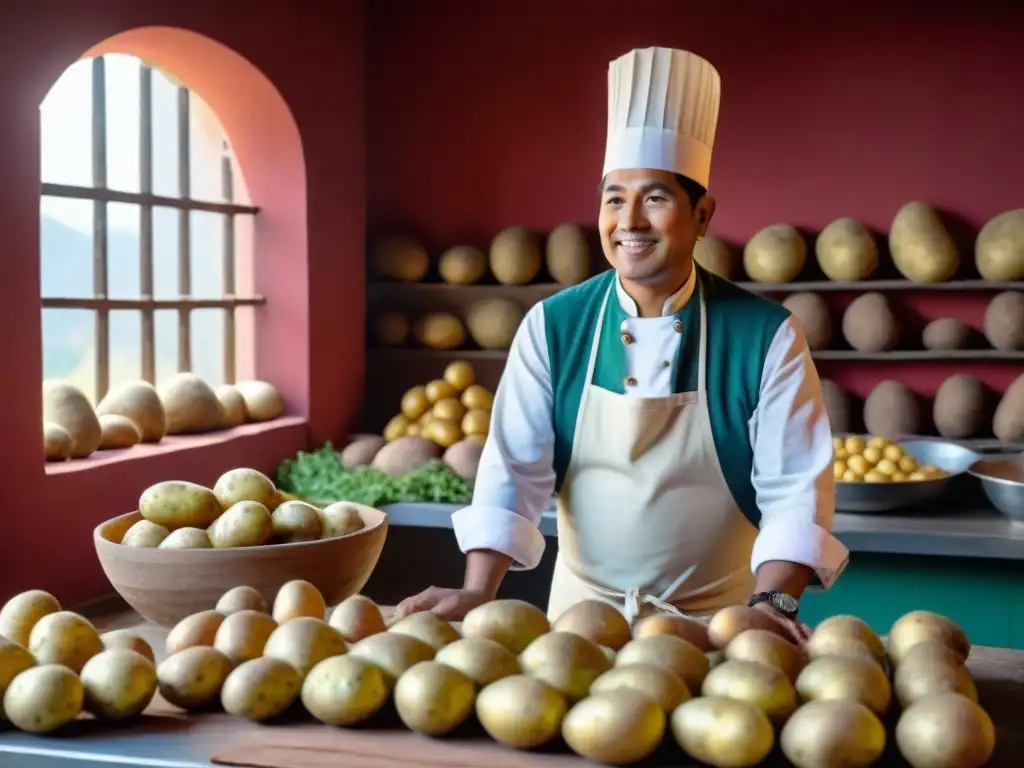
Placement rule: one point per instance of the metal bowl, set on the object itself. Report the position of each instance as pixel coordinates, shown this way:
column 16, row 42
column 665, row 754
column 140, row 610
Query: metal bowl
column 1002, row 479
column 952, row 458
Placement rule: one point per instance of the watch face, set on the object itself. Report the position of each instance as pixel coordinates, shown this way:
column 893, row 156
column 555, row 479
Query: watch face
column 785, row 603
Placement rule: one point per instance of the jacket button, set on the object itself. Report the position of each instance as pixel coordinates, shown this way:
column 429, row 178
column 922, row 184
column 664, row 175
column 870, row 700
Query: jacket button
column 677, row 326
column 627, row 339
column 630, row 381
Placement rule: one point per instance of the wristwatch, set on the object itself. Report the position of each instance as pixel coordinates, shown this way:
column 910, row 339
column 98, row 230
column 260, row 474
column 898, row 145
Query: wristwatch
column 785, row 604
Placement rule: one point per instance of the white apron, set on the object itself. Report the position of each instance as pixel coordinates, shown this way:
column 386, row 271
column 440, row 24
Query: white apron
column 646, row 521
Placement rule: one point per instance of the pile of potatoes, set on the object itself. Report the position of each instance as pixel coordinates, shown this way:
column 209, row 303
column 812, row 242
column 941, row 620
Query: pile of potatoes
column 243, row 509
column 447, row 418
column 136, row 412
column 876, row 459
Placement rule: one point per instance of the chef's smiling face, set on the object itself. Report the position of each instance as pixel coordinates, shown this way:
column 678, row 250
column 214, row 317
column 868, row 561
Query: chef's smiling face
column 649, row 225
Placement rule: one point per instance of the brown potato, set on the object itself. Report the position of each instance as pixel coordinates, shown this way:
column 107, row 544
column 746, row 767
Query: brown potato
column 847, row 678
column 946, row 731
column 242, row 636
column 833, row 733
column 513, row 623
column 673, row 653
column 930, row 668
column 658, row 683
column 197, row 629
column 483, row 660
column 919, row 626
column 729, row 622
column 765, row 687
column 357, row 617
column 566, row 661
column 843, row 633
column 428, row 627
column 616, row 727
column 599, row 622
column 767, row 648
column 692, row 630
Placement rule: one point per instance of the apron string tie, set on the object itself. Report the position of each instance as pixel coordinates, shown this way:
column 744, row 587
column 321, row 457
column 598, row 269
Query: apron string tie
column 634, row 599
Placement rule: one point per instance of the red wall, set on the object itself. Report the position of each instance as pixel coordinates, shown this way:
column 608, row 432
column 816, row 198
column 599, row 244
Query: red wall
column 309, row 245
column 484, row 115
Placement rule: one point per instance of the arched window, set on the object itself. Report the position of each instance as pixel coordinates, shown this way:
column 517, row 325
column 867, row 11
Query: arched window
column 142, row 203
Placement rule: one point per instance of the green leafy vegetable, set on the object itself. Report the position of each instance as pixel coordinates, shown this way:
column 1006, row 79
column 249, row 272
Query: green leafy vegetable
column 318, row 475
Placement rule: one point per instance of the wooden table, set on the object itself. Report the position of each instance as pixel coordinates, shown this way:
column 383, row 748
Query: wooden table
column 167, row 738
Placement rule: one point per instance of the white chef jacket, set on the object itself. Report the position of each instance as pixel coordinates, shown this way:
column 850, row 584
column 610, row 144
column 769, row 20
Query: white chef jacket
column 789, row 433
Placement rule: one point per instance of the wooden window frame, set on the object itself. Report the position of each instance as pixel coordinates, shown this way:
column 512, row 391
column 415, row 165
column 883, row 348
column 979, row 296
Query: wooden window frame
column 100, row 195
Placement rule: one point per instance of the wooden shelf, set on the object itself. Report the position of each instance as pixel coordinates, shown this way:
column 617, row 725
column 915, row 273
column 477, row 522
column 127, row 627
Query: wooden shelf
column 895, row 356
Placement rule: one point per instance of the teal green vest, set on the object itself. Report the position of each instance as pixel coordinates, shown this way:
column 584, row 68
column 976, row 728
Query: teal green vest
column 741, row 327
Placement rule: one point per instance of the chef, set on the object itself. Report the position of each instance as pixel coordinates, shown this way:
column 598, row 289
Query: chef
column 678, row 418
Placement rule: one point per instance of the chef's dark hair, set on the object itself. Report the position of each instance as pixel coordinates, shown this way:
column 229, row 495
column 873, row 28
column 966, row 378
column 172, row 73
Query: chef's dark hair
column 694, row 191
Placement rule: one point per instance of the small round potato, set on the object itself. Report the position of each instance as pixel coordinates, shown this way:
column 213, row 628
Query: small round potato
column 64, row 638
column 260, row 689
column 242, row 599
column 179, row 504
column 483, row 660
column 119, row 684
column 44, row 698
column 13, row 661
column 434, row 699
column 22, row 611
column 145, row 534
column 125, row 638
column 197, row 629
column 186, row 538
column 344, row 690
column 242, row 636
column 192, row 678
column 296, row 521
column 246, row 524
column 304, row 642
column 298, row 598
column 340, row 519
column 244, row 484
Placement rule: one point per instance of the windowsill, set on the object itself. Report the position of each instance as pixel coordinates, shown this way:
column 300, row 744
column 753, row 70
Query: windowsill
column 173, row 444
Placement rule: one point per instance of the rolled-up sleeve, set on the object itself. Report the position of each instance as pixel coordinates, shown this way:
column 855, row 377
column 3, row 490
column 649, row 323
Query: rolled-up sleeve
column 792, row 473
column 515, row 478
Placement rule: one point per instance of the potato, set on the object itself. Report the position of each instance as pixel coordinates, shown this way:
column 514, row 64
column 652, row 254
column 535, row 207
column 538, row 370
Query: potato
column 1008, row 420
column 21, row 612
column 44, row 698
column 186, row 538
column 1003, row 323
column 434, row 699
column 870, row 325
column 846, row 678
column 119, row 684
column 192, row 679
column 930, row 668
column 398, row 257
column 727, row 623
column 482, row 660
column 892, row 406
column 513, row 623
column 392, row 653
column 139, row 402
column 439, row 330
column 462, row 265
column 520, row 711
column 260, row 689
column 921, row 247
column 125, row 638
column 14, row 660
column 190, row 405
column 304, row 642
column 246, row 524
column 428, row 627
column 689, row 629
column 477, row 398
column 118, row 432
column 295, row 521
column 945, row 731
column 463, row 457
column 716, row 256
column 197, row 629
column 298, row 598
column 67, row 406
column 390, row 329
column 812, row 314
column 360, row 452
column 404, row 454
column 57, row 443
column 945, row 333
column 444, row 432
column 597, row 621
column 242, row 599
column 263, row 401
column 515, row 256
column 340, row 519
column 460, row 374
column 567, row 254
column 243, row 636
column 765, row 687
column 64, row 638
column 449, row 409
column 960, row 408
column 831, row 636
column 179, row 504
column 232, row 406
column 344, row 690
column 723, row 732
column 493, row 322
column 846, row 251
column 920, row 626
column 244, row 484
column 659, row 684
column 145, row 534
column 565, row 661
column 776, row 254
column 999, row 247
column 767, row 648
column 616, row 727
column 826, row 733
column 357, row 617
column 673, row 653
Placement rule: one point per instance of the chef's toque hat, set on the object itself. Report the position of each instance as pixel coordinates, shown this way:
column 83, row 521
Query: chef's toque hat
column 662, row 112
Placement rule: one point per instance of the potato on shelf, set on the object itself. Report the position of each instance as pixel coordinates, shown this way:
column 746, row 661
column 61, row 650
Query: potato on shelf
column 999, row 248
column 837, row 406
column 567, row 254
column 191, row 405
column 876, row 459
column 397, row 257
column 118, row 432
column 391, row 329
column 716, row 256
column 776, row 254
column 921, row 246
column 892, row 407
column 945, row 333
column 515, row 256
column 493, row 322
column 139, row 402
column 57, row 443
column 462, row 265
column 960, row 409
column 1004, row 321
column 439, row 330
column 67, row 406
column 870, row 325
column 232, row 403
column 846, row 251
column 813, row 316
column 1008, row 420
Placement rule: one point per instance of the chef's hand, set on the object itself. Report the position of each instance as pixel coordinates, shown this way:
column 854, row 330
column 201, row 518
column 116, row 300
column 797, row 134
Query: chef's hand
column 796, row 631
column 450, row 604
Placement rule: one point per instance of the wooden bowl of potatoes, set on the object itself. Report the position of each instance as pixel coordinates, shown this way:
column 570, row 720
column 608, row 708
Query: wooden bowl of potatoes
column 188, row 544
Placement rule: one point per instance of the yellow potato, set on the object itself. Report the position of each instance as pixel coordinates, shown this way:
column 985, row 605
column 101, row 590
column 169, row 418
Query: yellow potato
column 886, row 467
column 729, row 622
column 858, row 464
column 765, row 687
column 841, row 454
column 243, row 636
column 848, row 678
column 768, row 648
column 459, row 374
column 834, row 635
column 340, row 519
column 197, row 629
column 44, row 698
column 428, row 627
column 477, row 398
column 946, row 731
column 434, row 699
column 839, row 469
column 838, row 443
column 242, row 599
column 657, row 683
column 438, row 390
column 480, row 659
column 855, row 444
column 682, row 658
column 246, row 524
column 907, row 464
column 191, row 679
column 449, row 409
column 513, row 623
column 879, row 442
column 689, row 629
column 567, row 662
column 392, row 653
column 125, row 638
column 444, row 432
column 295, row 521
column 872, row 454
column 119, row 684
column 14, row 660
column 874, row 476
column 64, row 638
column 476, row 422
column 616, row 727
column 520, row 711
column 852, row 477
column 144, row 534
column 344, row 690
column 357, row 617
column 396, row 428
column 899, row 477
column 414, row 403
column 723, row 732
column 893, row 452
column 920, row 626
column 245, row 484
column 304, row 642
column 298, row 598
column 930, row 668
column 179, row 504
column 827, row 733
column 599, row 622
column 260, row 689
column 187, row 538
column 22, row 611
